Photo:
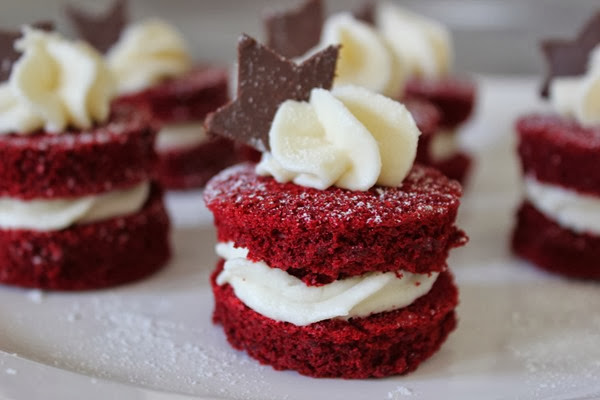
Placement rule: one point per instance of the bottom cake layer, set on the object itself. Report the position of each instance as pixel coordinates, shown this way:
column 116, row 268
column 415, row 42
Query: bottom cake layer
column 380, row 345
column 192, row 167
column 549, row 246
column 90, row 256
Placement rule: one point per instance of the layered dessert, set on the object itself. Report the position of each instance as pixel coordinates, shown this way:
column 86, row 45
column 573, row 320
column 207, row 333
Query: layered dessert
column 155, row 71
column 558, row 224
column 333, row 247
column 394, row 52
column 78, row 209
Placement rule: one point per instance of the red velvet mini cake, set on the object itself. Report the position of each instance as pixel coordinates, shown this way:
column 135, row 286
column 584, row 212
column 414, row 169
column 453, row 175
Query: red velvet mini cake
column 402, row 55
column 333, row 247
column 155, row 72
column 558, row 224
column 77, row 206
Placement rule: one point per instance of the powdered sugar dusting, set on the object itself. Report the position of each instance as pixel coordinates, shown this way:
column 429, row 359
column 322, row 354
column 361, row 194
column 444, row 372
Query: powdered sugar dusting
column 424, row 194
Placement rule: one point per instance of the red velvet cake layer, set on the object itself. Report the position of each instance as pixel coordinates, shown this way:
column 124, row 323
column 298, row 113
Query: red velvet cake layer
column 554, row 248
column 426, row 115
column 323, row 235
column 455, row 98
column 187, row 98
column 560, row 151
column 380, row 345
column 193, row 167
column 116, row 155
column 89, row 256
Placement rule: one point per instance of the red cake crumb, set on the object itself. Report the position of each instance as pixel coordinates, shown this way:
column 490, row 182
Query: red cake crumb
column 554, row 248
column 380, row 345
column 193, row 167
column 455, row 98
column 560, row 151
column 109, row 157
column 91, row 256
column 187, row 98
column 323, row 235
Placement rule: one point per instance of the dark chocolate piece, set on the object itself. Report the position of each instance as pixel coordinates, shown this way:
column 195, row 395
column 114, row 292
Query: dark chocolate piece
column 8, row 54
column 570, row 57
column 100, row 30
column 366, row 12
column 292, row 33
column 265, row 80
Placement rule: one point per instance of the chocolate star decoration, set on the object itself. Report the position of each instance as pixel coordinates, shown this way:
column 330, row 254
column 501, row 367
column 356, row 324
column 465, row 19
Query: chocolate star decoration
column 265, row 80
column 102, row 30
column 570, row 57
column 292, row 33
column 8, row 54
column 366, row 12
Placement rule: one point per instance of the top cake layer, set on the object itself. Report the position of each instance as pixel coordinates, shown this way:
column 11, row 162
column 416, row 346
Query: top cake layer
column 324, row 235
column 455, row 98
column 183, row 99
column 560, row 151
column 115, row 155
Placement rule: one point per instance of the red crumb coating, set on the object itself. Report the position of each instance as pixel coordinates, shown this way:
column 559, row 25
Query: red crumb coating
column 91, row 256
column 323, row 235
column 560, row 151
column 455, row 98
column 192, row 167
column 554, row 248
column 109, row 157
column 380, row 345
column 186, row 98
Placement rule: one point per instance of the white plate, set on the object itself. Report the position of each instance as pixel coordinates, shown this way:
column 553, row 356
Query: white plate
column 522, row 333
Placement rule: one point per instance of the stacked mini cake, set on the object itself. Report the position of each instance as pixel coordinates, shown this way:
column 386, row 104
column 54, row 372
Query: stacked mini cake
column 558, row 224
column 333, row 248
column 155, row 72
column 77, row 206
column 394, row 52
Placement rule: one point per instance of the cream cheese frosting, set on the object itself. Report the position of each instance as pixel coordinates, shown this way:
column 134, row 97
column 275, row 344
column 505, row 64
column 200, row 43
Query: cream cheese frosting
column 423, row 44
column 350, row 137
column 570, row 209
column 579, row 97
column 282, row 297
column 366, row 58
column 147, row 53
column 57, row 214
column 56, row 83
column 180, row 136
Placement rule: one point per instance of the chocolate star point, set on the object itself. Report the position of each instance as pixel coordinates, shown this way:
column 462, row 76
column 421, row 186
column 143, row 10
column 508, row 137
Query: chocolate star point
column 8, row 54
column 366, row 12
column 265, row 80
column 293, row 32
column 570, row 57
column 101, row 30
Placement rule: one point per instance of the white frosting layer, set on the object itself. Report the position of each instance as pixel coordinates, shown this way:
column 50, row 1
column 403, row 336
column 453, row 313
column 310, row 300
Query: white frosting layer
column 147, row 53
column 366, row 58
column 57, row 214
column 423, row 44
column 351, row 138
column 56, row 83
column 282, row 297
column 570, row 209
column 444, row 145
column 180, row 136
column 579, row 97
